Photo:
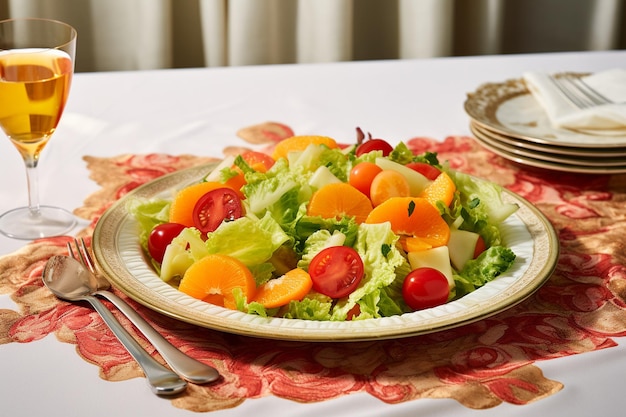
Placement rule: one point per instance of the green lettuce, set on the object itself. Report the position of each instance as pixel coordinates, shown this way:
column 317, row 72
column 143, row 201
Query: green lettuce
column 251, row 241
column 480, row 205
column 489, row 265
column 181, row 253
column 148, row 213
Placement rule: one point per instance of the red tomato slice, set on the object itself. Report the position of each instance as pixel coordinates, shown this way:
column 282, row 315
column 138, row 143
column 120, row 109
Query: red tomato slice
column 336, row 271
column 374, row 145
column 425, row 169
column 216, row 206
column 424, row 288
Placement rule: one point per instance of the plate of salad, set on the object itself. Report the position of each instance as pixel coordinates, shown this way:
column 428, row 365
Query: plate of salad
column 323, row 242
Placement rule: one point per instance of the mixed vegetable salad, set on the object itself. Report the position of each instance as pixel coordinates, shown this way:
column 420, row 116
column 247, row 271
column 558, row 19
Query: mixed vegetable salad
column 319, row 231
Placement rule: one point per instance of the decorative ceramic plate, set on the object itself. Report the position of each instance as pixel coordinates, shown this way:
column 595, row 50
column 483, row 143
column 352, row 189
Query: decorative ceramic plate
column 117, row 250
column 554, row 162
column 618, row 153
column 510, row 109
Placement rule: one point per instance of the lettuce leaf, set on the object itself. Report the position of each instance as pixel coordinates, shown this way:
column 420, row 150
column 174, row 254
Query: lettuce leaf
column 480, row 205
column 251, row 241
column 491, row 263
column 181, row 253
column 148, row 213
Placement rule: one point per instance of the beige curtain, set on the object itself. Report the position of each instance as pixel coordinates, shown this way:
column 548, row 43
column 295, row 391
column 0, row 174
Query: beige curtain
column 149, row 34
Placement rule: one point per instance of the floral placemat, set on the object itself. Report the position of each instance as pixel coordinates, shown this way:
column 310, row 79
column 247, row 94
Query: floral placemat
column 580, row 309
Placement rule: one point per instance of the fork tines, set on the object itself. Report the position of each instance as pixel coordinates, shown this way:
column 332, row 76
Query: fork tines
column 81, row 253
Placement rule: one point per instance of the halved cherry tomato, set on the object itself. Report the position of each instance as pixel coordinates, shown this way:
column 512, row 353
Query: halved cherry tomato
column 424, row 288
column 258, row 161
column 362, row 175
column 161, row 236
column 374, row 145
column 336, row 271
column 425, row 169
column 216, row 206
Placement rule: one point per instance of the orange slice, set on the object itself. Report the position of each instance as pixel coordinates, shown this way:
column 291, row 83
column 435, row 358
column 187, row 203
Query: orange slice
column 294, row 285
column 387, row 184
column 214, row 277
column 339, row 199
column 300, row 143
column 441, row 189
column 412, row 216
column 414, row 244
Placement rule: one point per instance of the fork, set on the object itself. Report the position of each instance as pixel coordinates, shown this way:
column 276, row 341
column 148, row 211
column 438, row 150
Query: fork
column 577, row 91
column 187, row 367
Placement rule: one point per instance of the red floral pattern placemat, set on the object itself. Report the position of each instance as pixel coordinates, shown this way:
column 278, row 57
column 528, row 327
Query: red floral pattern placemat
column 580, row 309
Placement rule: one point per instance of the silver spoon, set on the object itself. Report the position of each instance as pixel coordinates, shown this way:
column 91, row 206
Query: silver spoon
column 69, row 280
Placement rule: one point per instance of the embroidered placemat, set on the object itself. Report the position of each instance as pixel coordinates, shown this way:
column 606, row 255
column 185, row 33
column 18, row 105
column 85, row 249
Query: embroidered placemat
column 580, row 309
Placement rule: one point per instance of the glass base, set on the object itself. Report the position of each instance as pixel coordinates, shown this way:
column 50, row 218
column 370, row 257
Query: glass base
column 21, row 223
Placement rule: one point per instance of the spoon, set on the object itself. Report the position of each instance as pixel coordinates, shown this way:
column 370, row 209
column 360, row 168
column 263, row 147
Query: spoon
column 68, row 279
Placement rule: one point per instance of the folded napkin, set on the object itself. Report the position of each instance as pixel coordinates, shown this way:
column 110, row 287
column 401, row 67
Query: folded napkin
column 607, row 119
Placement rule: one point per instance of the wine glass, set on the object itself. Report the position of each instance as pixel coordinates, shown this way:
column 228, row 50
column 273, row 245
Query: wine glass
column 36, row 68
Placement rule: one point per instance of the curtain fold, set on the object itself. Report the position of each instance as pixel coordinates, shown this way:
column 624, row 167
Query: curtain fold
column 150, row 34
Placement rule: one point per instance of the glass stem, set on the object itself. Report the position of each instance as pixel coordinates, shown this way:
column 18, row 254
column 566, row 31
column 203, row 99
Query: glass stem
column 33, row 186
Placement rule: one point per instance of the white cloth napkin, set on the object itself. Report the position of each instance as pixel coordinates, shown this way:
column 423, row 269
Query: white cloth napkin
column 608, row 119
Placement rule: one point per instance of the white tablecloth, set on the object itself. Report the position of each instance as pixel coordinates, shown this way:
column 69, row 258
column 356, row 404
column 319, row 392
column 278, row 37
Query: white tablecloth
column 198, row 111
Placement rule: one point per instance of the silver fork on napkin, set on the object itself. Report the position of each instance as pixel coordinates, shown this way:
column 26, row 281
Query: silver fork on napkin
column 576, row 90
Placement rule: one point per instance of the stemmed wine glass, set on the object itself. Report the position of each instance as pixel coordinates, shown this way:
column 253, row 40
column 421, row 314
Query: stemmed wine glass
column 36, row 68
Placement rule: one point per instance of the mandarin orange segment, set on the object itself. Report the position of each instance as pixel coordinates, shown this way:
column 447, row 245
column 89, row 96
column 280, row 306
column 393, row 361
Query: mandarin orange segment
column 214, row 277
column 441, row 189
column 181, row 209
column 387, row 184
column 414, row 244
column 300, row 143
column 292, row 286
column 339, row 199
column 412, row 216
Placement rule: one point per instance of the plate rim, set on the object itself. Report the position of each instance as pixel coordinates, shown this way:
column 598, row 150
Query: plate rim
column 510, row 154
column 514, row 141
column 114, row 221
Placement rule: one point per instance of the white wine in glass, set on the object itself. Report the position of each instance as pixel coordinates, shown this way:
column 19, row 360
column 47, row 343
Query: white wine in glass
column 36, row 68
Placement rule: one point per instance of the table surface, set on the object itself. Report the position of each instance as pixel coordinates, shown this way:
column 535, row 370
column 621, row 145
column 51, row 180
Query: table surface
column 198, row 111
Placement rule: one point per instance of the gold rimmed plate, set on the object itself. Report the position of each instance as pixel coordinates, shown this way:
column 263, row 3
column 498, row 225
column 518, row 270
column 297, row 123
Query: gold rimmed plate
column 118, row 253
column 616, row 153
column 535, row 161
column 584, row 163
column 510, row 109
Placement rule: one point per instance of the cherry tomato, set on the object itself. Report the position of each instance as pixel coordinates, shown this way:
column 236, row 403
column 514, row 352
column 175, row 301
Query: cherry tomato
column 336, row 271
column 480, row 247
column 374, row 145
column 425, row 169
column 362, row 175
column 216, row 206
column 258, row 161
column 161, row 236
column 424, row 288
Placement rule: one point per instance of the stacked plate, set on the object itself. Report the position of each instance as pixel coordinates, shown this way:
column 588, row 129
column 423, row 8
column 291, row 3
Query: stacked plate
column 507, row 120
